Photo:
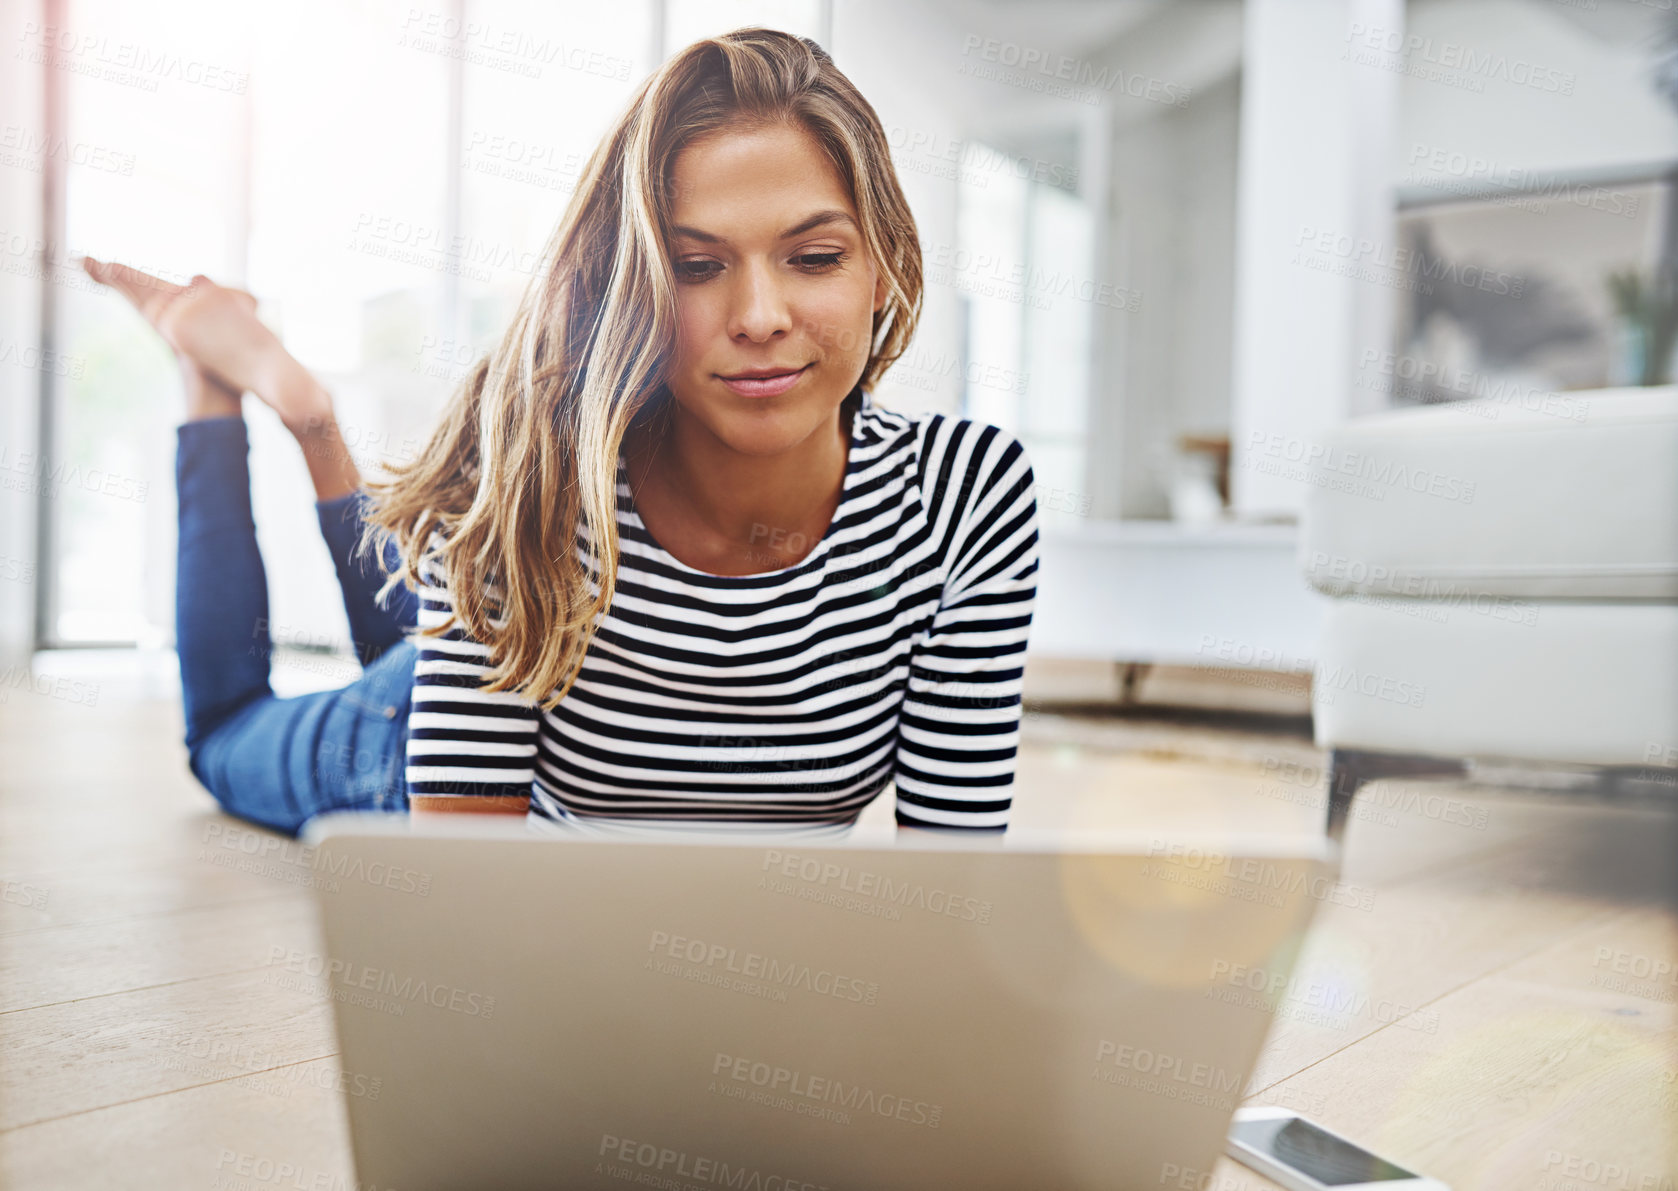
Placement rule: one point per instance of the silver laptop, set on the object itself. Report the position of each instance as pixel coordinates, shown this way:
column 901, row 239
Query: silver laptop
column 526, row 1006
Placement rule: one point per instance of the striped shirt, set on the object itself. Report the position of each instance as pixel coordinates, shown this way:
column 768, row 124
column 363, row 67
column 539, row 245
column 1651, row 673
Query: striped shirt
column 893, row 652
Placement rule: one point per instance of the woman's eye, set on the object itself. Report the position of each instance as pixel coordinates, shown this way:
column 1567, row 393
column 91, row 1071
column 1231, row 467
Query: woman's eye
column 816, row 262
column 697, row 270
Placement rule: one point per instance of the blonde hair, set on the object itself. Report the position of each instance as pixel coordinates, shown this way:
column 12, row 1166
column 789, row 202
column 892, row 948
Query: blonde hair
column 526, row 454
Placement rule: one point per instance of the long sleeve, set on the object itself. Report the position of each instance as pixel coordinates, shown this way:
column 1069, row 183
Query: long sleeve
column 463, row 742
column 960, row 724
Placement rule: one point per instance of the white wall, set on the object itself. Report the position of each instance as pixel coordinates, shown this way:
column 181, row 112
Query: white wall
column 1174, row 215
column 20, row 331
column 904, row 59
column 1160, row 178
column 1601, row 115
column 1312, row 213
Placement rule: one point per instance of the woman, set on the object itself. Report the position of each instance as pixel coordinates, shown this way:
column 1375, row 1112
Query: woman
column 670, row 561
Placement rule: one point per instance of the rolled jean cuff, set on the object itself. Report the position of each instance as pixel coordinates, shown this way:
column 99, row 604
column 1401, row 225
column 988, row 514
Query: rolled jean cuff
column 212, row 472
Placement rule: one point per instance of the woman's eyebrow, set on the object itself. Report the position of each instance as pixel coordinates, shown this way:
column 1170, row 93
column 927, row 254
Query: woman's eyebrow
column 819, row 219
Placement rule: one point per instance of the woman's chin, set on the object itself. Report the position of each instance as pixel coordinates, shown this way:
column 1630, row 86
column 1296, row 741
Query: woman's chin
column 767, row 426
column 769, row 436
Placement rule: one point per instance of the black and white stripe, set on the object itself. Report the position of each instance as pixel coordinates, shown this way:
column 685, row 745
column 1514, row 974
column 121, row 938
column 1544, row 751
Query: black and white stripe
column 894, row 651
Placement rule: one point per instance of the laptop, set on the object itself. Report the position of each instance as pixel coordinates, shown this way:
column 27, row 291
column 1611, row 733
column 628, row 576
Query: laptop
column 533, row 1006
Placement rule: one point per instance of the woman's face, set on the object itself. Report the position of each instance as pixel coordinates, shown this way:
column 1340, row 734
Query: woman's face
column 775, row 293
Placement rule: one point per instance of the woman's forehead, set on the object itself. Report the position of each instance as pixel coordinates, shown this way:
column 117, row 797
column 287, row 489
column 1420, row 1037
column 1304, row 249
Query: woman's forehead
column 754, row 183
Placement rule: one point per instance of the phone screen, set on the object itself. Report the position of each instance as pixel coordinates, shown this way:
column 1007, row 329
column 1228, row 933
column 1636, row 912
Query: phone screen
column 1321, row 1156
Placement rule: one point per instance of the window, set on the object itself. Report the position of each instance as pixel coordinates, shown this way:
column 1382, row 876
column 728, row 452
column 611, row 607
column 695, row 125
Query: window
column 1021, row 266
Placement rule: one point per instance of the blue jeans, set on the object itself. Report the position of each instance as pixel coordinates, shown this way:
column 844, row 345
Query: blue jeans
column 278, row 762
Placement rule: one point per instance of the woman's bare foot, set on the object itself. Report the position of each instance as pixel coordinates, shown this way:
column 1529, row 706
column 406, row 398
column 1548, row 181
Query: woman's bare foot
column 224, row 350
column 216, row 327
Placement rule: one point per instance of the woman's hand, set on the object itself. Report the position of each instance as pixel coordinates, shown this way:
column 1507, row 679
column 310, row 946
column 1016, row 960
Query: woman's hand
column 428, row 805
column 216, row 328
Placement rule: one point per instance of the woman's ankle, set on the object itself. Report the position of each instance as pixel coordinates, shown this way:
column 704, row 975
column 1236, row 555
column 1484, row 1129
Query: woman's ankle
column 206, row 397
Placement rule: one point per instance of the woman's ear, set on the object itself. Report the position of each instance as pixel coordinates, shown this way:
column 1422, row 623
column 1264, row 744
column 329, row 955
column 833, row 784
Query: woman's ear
column 879, row 289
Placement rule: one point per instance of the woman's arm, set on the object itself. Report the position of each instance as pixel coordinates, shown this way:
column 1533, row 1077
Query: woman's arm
column 960, row 723
column 468, row 751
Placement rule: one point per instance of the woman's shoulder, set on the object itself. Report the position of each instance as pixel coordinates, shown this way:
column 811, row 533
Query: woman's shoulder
column 948, row 452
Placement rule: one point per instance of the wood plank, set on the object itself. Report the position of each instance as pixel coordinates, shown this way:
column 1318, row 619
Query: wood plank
column 79, row 1056
column 1537, row 1074
column 235, row 1135
column 74, row 963
column 69, row 897
column 1420, row 940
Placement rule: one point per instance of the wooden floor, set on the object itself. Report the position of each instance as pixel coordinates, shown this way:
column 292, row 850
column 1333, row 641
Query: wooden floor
column 1503, row 1018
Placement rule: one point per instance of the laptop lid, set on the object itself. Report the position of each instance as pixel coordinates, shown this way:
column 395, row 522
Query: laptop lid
column 524, row 1008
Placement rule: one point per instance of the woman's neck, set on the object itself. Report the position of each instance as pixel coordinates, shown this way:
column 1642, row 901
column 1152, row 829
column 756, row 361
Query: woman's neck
column 725, row 512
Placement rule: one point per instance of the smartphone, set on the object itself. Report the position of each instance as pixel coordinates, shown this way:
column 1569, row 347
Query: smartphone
column 1303, row 1156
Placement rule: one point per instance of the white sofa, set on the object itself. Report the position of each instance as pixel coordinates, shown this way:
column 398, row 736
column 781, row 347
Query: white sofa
column 1504, row 585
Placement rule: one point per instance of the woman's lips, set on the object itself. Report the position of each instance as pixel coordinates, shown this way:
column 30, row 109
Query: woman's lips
column 763, row 382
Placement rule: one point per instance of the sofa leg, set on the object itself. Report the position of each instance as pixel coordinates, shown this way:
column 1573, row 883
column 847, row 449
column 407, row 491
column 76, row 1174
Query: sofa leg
column 1345, row 775
column 1348, row 769
column 1131, row 675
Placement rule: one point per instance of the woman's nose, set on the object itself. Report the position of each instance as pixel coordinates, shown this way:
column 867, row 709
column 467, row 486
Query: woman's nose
column 760, row 311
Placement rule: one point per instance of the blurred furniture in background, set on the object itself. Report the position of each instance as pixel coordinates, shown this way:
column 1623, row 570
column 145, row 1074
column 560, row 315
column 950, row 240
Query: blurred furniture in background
column 1505, row 587
column 1220, row 595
